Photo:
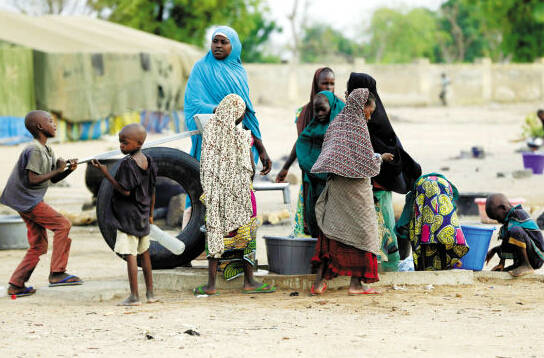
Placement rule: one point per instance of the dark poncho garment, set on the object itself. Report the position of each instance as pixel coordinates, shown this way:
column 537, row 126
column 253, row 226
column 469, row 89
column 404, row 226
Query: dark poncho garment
column 400, row 174
column 131, row 213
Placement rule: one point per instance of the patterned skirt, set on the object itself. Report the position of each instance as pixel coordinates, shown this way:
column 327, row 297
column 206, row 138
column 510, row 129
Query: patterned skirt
column 437, row 240
column 240, row 246
column 345, row 260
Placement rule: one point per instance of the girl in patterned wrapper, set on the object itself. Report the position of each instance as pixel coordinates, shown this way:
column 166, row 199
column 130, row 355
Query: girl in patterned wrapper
column 226, row 172
column 429, row 220
column 521, row 238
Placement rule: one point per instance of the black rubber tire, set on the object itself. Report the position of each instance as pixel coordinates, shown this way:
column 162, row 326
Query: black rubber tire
column 184, row 169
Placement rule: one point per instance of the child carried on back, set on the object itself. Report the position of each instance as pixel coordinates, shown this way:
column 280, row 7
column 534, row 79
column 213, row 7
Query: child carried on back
column 132, row 205
column 521, row 238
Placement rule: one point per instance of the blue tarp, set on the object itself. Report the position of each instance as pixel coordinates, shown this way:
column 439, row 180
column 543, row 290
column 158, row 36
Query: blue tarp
column 13, row 131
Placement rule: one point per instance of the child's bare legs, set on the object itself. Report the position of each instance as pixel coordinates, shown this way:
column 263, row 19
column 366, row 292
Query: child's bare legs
column 132, row 267
column 525, row 268
column 148, row 276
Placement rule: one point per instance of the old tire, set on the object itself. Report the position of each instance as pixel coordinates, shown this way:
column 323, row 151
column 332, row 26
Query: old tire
column 185, row 170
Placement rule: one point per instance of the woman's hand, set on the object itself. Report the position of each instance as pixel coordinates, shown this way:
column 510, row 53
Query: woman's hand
column 280, row 178
column 388, row 157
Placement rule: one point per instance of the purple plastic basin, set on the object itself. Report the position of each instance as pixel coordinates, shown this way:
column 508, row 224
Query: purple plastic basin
column 533, row 161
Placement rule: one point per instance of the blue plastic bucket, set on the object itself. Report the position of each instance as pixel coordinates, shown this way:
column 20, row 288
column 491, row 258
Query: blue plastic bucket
column 478, row 239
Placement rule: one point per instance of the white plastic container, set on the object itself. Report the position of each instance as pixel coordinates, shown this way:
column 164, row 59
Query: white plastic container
column 171, row 243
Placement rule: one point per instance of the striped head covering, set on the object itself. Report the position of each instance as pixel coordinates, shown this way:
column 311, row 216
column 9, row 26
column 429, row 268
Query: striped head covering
column 347, row 150
column 225, row 173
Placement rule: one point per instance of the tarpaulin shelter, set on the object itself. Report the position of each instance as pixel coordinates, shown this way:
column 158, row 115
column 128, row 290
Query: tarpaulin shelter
column 95, row 76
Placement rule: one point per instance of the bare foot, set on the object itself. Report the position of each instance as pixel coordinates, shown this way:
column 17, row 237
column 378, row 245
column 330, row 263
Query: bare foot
column 499, row 267
column 522, row 271
column 130, row 301
column 150, row 297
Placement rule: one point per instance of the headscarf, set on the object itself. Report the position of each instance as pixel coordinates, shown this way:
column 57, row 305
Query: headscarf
column 211, row 80
column 225, row 173
column 310, row 141
column 308, row 149
column 307, row 113
column 347, row 150
column 400, row 174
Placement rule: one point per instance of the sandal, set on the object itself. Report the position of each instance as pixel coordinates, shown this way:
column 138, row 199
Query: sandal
column 370, row 291
column 198, row 291
column 65, row 281
column 315, row 292
column 264, row 288
column 22, row 291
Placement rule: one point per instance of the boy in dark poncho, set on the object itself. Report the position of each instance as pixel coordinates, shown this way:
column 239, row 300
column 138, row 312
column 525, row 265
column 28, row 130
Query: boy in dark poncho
column 132, row 205
column 521, row 238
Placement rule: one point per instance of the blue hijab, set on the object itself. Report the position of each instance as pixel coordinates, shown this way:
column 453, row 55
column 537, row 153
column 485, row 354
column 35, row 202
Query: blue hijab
column 210, row 81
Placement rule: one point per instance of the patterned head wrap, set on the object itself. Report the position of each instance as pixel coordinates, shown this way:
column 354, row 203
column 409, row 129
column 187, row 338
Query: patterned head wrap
column 225, row 173
column 347, row 150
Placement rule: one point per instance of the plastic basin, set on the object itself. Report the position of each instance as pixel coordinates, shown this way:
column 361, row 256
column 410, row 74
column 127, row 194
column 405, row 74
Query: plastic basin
column 478, row 239
column 533, row 161
column 12, row 233
column 481, row 208
column 289, row 256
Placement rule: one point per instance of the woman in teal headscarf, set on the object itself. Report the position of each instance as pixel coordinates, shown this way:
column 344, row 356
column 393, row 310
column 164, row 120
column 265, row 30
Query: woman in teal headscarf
column 308, row 147
column 213, row 77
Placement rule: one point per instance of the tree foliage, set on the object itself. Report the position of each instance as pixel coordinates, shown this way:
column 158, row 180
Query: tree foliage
column 189, row 20
column 322, row 43
column 398, row 37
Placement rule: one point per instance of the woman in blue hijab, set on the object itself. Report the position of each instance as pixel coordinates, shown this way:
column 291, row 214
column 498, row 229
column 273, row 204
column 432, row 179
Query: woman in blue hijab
column 213, row 77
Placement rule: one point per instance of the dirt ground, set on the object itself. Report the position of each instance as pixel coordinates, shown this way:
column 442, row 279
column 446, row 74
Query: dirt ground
column 487, row 319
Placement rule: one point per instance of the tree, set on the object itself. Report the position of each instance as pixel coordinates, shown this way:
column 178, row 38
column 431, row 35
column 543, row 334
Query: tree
column 51, row 7
column 322, row 43
column 398, row 37
column 188, row 20
column 499, row 29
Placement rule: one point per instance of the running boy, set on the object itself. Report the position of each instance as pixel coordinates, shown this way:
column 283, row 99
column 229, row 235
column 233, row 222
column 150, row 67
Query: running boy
column 521, row 238
column 132, row 205
column 36, row 168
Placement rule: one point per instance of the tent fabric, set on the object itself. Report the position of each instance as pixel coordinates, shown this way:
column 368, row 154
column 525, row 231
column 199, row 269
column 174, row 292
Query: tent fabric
column 85, row 69
column 17, row 81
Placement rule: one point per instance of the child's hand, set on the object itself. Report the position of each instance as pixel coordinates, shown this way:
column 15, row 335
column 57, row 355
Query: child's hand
column 388, row 157
column 61, row 164
column 72, row 164
column 280, row 178
column 151, row 219
column 95, row 163
column 489, row 255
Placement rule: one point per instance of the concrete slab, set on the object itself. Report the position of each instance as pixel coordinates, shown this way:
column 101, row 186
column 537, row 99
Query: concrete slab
column 494, row 275
column 182, row 279
column 96, row 291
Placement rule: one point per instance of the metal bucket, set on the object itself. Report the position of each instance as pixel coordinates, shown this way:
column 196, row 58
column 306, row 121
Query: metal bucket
column 12, row 233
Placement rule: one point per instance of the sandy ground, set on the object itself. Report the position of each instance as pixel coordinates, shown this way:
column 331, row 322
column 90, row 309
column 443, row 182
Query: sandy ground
column 488, row 319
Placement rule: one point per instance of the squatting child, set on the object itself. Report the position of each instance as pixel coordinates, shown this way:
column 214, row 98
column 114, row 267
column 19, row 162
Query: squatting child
column 521, row 238
column 132, row 206
column 36, row 168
